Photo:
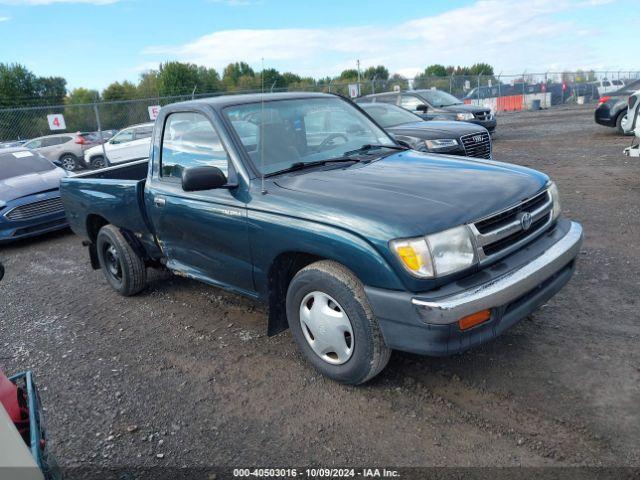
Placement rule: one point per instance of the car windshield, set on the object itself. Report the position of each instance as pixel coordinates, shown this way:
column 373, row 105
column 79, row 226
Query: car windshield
column 278, row 134
column 15, row 164
column 438, row 98
column 390, row 115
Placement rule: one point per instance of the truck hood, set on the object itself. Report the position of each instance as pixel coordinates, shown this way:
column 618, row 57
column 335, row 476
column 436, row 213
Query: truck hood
column 25, row 185
column 407, row 194
column 436, row 129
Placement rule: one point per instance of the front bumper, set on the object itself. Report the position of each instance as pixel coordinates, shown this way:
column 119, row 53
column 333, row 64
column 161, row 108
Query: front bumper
column 514, row 287
column 488, row 124
column 602, row 116
column 12, row 230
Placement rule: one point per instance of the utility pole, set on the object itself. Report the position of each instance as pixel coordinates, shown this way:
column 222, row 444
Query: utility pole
column 358, row 63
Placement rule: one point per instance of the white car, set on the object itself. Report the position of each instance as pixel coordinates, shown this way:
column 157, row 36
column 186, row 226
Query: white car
column 131, row 143
column 606, row 86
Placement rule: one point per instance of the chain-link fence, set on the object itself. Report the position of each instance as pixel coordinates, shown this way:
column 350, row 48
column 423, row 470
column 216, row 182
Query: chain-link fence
column 500, row 93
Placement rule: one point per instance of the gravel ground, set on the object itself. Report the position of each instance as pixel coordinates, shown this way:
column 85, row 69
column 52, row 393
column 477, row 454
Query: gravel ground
column 184, row 375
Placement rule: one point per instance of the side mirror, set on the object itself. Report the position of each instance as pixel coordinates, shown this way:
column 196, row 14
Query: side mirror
column 422, row 108
column 195, row 179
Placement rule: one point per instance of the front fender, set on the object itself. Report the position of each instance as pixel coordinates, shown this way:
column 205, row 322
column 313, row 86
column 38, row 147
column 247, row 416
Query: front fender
column 271, row 235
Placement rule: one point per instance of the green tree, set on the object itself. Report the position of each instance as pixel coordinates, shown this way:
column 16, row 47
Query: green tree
column 120, row 91
column 17, row 86
column 79, row 114
column 270, row 77
column 378, row 73
column 480, row 69
column 51, row 90
column 435, row 70
column 148, row 85
column 233, row 72
column 176, row 78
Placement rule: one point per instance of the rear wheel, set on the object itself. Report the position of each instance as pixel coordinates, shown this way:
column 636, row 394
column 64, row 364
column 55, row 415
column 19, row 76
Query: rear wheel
column 98, row 162
column 333, row 324
column 122, row 266
column 69, row 162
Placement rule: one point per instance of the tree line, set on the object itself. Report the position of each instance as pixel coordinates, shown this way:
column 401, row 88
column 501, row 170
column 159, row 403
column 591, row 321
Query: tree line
column 20, row 87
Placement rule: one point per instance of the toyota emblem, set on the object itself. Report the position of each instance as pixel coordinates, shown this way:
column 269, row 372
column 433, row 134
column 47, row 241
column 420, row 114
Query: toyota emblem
column 525, row 221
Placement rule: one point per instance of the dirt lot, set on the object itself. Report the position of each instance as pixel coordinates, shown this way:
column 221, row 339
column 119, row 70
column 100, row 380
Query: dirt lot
column 185, row 371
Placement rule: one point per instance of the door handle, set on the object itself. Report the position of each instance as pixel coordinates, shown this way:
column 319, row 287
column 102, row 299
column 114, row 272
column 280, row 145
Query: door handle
column 160, row 201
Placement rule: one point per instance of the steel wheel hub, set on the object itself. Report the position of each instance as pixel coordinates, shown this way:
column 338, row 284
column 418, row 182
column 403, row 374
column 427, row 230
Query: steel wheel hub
column 326, row 328
column 113, row 262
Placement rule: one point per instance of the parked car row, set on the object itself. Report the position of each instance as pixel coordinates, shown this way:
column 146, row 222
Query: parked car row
column 357, row 243
column 613, row 108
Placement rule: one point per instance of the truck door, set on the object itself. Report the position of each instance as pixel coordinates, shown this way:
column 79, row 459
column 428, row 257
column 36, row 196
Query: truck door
column 203, row 234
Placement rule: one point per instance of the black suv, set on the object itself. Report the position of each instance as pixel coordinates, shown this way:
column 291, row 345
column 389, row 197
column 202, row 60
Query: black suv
column 435, row 105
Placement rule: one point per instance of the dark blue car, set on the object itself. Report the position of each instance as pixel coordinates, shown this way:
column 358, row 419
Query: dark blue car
column 29, row 195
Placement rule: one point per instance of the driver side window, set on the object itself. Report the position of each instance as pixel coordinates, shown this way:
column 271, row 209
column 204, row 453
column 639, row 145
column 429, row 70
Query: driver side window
column 189, row 140
column 123, row 137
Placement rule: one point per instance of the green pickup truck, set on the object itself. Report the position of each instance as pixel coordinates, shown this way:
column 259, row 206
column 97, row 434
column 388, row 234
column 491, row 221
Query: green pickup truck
column 358, row 244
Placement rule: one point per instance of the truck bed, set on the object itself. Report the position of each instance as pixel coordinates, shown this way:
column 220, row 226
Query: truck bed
column 114, row 194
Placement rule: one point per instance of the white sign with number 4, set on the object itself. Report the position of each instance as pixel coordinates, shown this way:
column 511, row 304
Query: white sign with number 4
column 56, row 122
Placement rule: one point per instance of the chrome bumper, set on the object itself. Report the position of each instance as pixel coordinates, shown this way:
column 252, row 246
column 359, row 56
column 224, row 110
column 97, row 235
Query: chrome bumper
column 506, row 288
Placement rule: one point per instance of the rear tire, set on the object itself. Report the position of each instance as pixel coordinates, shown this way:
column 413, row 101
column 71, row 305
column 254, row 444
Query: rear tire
column 339, row 292
column 122, row 267
column 69, row 162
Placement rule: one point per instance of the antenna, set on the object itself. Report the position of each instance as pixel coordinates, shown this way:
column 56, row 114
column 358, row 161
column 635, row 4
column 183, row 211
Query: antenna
column 264, row 191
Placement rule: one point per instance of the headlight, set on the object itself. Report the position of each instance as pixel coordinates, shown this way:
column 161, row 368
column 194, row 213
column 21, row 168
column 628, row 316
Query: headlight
column 465, row 116
column 437, row 254
column 555, row 197
column 441, row 143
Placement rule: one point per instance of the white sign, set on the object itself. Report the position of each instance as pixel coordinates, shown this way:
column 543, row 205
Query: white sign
column 56, row 122
column 396, row 88
column 467, row 85
column 489, row 82
column 354, row 90
column 153, row 111
column 22, row 154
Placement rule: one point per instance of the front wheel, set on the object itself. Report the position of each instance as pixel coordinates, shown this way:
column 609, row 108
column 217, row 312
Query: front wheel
column 98, row 162
column 621, row 124
column 122, row 266
column 333, row 325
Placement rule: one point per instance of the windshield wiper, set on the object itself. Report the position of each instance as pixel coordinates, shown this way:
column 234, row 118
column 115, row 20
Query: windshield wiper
column 304, row 165
column 368, row 147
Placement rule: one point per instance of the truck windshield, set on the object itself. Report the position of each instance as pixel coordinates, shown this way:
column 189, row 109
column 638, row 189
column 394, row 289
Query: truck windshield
column 278, row 134
column 15, row 164
column 438, row 98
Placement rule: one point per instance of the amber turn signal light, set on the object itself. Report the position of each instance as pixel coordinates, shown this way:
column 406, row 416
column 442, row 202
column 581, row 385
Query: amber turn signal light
column 474, row 319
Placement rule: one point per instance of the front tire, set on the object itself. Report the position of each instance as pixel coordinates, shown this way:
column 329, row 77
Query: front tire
column 122, row 266
column 333, row 325
column 98, row 162
column 620, row 123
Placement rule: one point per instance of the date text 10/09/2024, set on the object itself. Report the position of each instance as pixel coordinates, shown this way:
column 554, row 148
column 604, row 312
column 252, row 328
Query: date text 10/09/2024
column 316, row 473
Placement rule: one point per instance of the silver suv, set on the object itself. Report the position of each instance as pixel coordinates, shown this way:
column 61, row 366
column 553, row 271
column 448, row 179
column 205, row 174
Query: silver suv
column 64, row 149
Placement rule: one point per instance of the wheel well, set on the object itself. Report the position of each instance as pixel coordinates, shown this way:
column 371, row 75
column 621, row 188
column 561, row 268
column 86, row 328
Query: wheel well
column 282, row 270
column 94, row 224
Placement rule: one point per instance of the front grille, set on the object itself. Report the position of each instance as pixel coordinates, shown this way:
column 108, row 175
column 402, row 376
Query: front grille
column 503, row 232
column 35, row 209
column 477, row 145
column 486, row 115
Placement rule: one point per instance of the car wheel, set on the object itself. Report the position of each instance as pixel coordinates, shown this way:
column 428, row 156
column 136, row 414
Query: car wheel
column 333, row 325
column 69, row 162
column 621, row 123
column 122, row 267
column 98, row 162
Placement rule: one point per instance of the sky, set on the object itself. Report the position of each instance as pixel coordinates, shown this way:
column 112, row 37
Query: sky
column 95, row 42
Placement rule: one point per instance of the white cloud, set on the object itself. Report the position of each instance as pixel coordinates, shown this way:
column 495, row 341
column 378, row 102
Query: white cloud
column 510, row 34
column 236, row 3
column 29, row 3
column 4, row 19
